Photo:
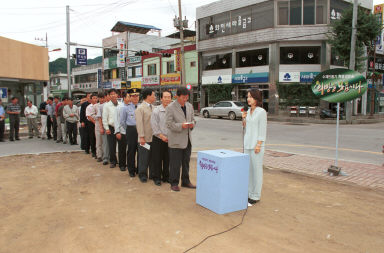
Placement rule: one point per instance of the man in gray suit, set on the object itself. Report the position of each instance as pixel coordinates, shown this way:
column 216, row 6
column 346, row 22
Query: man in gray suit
column 180, row 122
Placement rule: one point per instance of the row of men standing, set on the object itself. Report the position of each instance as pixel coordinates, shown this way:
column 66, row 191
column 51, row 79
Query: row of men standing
column 151, row 138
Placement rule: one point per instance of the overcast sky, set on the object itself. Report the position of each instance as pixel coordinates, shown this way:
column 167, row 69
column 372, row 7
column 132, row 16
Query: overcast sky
column 91, row 21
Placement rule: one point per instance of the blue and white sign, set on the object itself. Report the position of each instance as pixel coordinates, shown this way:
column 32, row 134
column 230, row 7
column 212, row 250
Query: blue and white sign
column 307, row 77
column 81, row 56
column 221, row 79
column 107, row 85
column 4, row 94
column 289, row 77
column 251, row 78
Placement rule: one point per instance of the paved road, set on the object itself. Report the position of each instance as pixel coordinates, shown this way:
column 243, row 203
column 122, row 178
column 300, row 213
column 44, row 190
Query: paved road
column 358, row 143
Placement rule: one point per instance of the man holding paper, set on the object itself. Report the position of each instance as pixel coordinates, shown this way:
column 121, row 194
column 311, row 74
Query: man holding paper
column 180, row 122
column 144, row 131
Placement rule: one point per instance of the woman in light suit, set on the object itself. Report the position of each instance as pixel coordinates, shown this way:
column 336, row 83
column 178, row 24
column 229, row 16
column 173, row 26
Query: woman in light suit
column 255, row 123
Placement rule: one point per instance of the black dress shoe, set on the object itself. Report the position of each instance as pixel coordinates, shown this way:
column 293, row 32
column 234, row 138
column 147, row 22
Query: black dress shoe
column 11, row 140
column 94, row 155
column 87, row 152
column 143, row 179
column 30, row 137
column 132, row 174
column 157, row 182
column 252, row 201
column 123, row 169
column 175, row 188
column 2, row 141
column 105, row 163
column 99, row 160
column 189, row 185
column 112, row 166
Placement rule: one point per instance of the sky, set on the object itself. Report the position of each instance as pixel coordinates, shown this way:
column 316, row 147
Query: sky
column 91, row 21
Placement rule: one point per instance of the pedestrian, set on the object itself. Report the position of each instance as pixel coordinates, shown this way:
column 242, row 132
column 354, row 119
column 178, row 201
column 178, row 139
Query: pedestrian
column 144, row 131
column 13, row 110
column 180, row 122
column 30, row 112
column 90, row 113
column 128, row 127
column 49, row 110
column 60, row 119
column 104, row 140
column 99, row 141
column 70, row 113
column 255, row 123
column 56, row 101
column 160, row 156
column 2, row 121
column 109, row 112
column 43, row 118
column 120, row 132
column 85, row 145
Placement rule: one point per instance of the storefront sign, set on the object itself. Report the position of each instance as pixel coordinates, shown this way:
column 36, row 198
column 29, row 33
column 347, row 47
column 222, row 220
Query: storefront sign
column 217, row 79
column 116, row 84
column 121, row 55
column 307, row 77
column 99, row 78
column 289, row 77
column 107, row 85
column 170, row 79
column 123, row 76
column 133, row 59
column 134, row 83
column 251, row 78
column 177, row 60
column 339, row 85
column 151, row 80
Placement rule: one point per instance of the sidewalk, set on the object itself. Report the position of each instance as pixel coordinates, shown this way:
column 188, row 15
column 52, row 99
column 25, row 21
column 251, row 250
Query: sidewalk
column 367, row 175
column 316, row 120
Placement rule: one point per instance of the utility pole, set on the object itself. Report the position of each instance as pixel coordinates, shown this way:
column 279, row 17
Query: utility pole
column 68, row 55
column 352, row 56
column 181, row 30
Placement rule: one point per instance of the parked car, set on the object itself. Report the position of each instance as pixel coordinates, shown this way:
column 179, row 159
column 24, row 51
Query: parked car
column 230, row 109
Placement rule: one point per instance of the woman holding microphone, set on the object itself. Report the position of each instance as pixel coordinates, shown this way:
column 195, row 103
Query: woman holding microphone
column 255, row 124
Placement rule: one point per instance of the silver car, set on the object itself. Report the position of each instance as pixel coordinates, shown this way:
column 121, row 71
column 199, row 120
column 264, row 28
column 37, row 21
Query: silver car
column 230, row 109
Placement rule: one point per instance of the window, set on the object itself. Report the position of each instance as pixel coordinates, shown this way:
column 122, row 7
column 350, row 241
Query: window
column 295, row 12
column 263, row 15
column 283, row 13
column 87, row 77
column 193, row 64
column 151, row 69
column 222, row 61
column 223, row 104
column 170, row 67
column 309, row 12
column 300, row 55
column 257, row 57
column 321, row 11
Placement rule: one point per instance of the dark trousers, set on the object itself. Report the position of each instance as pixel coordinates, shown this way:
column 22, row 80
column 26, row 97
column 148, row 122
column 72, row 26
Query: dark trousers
column 14, row 123
column 144, row 158
column 90, row 128
column 179, row 158
column 122, row 151
column 131, row 137
column 49, row 127
column 72, row 132
column 81, row 130
column 2, row 128
column 112, row 145
column 160, row 159
column 85, row 142
column 54, row 128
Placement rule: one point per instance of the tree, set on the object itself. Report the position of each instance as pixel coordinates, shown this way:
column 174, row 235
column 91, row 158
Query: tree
column 368, row 28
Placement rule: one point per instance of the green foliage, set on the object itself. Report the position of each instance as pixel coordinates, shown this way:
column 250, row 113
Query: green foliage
column 367, row 29
column 296, row 95
column 219, row 92
column 60, row 64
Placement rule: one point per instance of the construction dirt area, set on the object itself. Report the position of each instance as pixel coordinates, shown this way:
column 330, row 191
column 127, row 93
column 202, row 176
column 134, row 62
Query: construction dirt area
column 67, row 202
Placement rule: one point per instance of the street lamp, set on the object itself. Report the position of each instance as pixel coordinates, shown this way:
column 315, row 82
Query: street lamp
column 55, row 50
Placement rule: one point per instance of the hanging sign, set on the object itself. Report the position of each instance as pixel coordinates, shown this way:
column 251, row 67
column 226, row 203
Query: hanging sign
column 339, row 85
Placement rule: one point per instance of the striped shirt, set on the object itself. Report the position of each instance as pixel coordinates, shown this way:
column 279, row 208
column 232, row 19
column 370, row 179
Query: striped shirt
column 13, row 108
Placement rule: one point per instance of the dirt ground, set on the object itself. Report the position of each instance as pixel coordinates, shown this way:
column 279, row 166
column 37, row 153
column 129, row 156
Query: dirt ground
column 69, row 203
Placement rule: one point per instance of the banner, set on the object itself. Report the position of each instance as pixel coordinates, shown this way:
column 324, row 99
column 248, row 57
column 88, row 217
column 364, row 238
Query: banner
column 177, row 60
column 339, row 85
column 222, row 79
column 99, row 79
column 81, row 56
column 150, row 80
column 133, row 59
column 121, row 56
column 251, row 78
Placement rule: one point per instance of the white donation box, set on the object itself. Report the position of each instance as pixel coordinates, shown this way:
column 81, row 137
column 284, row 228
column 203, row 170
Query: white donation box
column 222, row 180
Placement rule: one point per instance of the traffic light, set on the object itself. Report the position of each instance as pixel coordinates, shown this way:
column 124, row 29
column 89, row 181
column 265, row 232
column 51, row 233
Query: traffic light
column 166, row 55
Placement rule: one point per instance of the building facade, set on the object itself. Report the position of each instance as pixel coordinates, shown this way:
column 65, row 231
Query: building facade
column 267, row 44
column 58, row 84
column 23, row 71
column 87, row 78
